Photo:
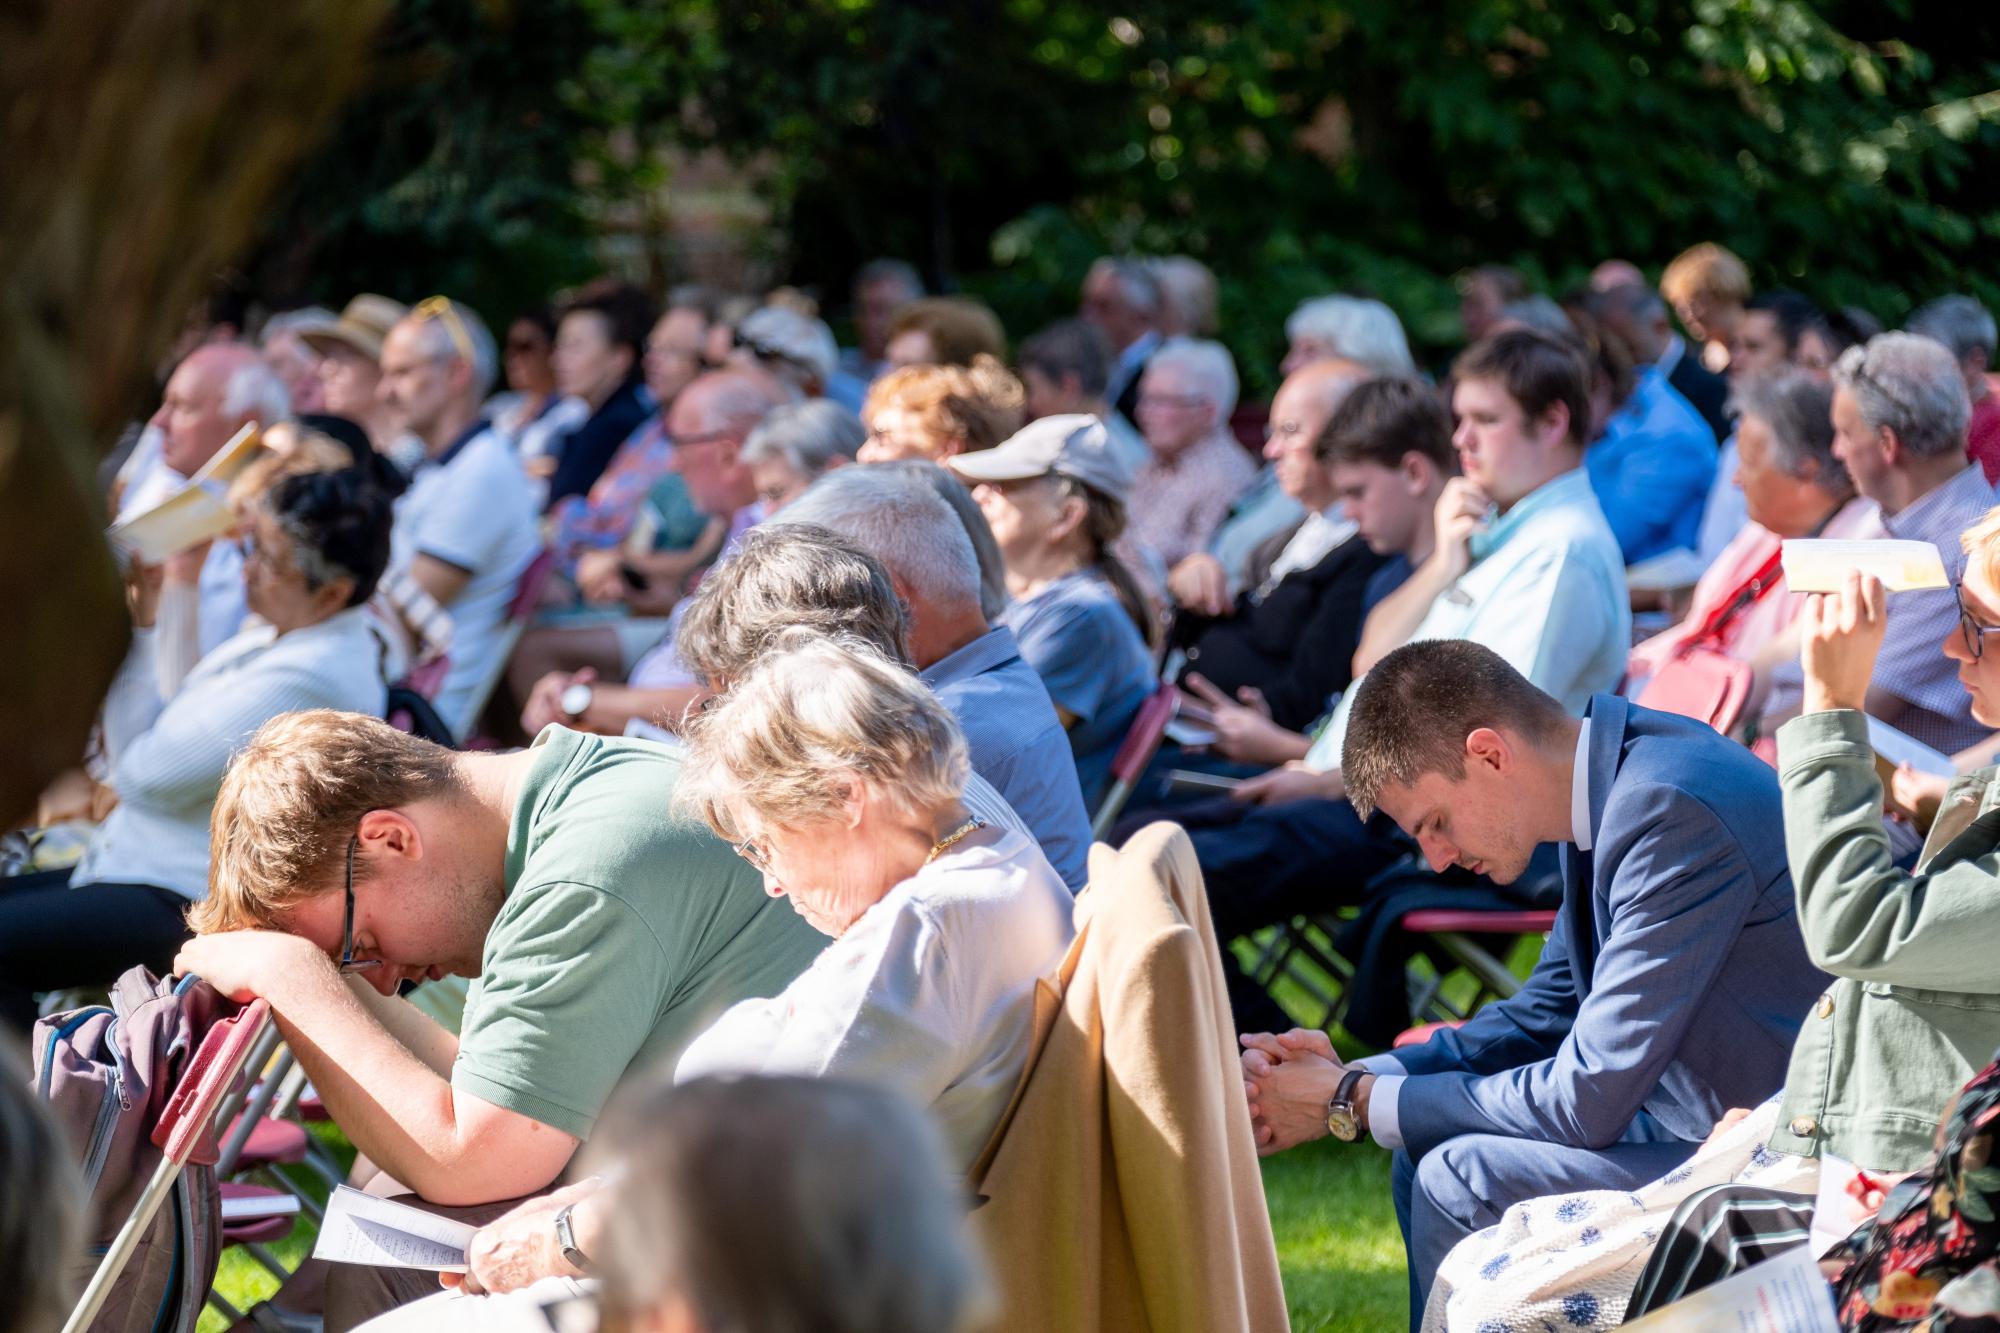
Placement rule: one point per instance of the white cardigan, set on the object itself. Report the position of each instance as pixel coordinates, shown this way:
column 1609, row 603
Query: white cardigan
column 168, row 756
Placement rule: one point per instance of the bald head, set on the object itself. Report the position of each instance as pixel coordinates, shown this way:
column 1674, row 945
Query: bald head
column 1305, row 402
column 1616, row 273
column 1310, row 394
column 212, row 394
column 708, row 424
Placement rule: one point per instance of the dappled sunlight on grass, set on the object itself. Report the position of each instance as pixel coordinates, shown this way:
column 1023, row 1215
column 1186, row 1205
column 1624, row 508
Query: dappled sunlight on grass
column 1338, row 1246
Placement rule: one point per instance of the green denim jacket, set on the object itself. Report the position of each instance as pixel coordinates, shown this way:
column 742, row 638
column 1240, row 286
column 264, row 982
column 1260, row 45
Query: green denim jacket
column 1915, row 1009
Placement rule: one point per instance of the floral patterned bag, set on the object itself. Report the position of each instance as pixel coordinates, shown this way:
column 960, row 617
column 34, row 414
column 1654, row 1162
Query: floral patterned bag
column 1930, row 1261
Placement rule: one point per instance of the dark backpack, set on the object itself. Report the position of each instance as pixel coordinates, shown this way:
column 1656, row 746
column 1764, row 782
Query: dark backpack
column 106, row 1073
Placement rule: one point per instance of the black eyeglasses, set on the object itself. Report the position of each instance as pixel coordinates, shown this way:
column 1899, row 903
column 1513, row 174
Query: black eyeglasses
column 349, row 964
column 1968, row 625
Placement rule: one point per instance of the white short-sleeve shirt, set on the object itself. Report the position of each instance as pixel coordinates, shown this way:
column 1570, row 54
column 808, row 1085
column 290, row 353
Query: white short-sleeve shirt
column 930, row 993
column 471, row 507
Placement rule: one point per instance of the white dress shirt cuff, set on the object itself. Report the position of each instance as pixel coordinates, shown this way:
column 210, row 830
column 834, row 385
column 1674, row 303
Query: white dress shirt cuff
column 1383, row 1100
column 1384, row 1105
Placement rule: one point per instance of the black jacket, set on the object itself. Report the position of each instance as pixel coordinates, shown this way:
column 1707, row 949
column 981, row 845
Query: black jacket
column 586, row 451
column 1708, row 391
column 1297, row 643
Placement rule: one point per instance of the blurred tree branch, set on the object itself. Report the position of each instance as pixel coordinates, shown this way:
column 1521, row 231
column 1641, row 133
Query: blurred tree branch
column 142, row 140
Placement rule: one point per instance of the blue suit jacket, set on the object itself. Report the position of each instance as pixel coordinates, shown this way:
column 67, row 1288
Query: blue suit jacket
column 1675, row 978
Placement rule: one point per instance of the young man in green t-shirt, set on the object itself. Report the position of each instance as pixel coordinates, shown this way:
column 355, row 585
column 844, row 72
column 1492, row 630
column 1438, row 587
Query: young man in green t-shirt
column 602, row 932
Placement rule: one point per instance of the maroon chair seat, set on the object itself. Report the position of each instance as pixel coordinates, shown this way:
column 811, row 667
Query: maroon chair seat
column 255, row 1230
column 270, row 1142
column 1434, row 920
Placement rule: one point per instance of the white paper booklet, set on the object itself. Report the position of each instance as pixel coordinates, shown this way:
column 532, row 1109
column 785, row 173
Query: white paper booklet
column 1781, row 1295
column 1900, row 749
column 193, row 514
column 362, row 1229
column 1822, row 564
column 252, row 1206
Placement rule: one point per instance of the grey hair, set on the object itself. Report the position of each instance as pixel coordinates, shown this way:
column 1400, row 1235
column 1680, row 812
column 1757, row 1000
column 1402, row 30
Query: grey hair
column 41, row 1208
column 815, row 713
column 899, row 271
column 290, row 321
column 785, row 576
column 1540, row 314
column 901, row 522
column 1208, row 369
column 1188, row 291
column 1137, row 283
column 1910, row 385
column 993, row 596
column 1799, row 411
column 807, row 437
column 1959, row 322
column 485, row 360
column 255, row 393
column 1358, row 329
column 786, row 1203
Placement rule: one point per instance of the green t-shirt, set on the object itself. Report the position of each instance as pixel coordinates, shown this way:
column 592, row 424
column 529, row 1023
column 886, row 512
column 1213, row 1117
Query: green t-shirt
column 626, row 930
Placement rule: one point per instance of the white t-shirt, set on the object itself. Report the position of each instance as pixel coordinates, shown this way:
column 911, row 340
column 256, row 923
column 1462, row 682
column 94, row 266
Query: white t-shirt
column 931, row 993
column 471, row 508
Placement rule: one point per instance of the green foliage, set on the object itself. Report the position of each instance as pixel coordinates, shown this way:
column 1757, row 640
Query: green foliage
column 454, row 170
column 1296, row 146
column 1300, row 147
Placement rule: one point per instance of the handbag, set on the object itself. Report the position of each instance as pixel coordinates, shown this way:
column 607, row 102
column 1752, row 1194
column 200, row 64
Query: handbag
column 1701, row 681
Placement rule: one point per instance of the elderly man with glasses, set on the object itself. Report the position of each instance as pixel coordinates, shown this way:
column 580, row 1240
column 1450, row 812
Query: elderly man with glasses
column 466, row 528
column 603, row 931
column 1899, row 420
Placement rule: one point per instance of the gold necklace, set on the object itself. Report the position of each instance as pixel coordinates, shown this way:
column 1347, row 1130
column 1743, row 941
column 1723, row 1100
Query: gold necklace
column 938, row 848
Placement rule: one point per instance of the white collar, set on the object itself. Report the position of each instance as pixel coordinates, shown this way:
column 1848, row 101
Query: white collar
column 1579, row 791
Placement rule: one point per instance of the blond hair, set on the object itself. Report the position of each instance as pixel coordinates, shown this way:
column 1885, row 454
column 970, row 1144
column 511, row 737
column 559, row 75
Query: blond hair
column 1706, row 270
column 817, row 712
column 978, row 405
column 292, row 799
column 1981, row 542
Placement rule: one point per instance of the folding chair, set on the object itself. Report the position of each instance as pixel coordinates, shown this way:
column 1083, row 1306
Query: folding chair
column 206, row 1097
column 1141, row 743
column 1453, row 932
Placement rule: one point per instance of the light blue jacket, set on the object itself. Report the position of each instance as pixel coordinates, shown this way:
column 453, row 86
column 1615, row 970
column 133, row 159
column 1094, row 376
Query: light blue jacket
column 1652, row 469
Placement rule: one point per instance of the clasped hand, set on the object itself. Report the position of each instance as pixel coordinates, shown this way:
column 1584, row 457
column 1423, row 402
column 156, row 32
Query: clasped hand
column 1288, row 1078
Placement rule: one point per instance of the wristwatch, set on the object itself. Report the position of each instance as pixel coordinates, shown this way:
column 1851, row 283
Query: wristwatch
column 1343, row 1119
column 566, row 1241
column 575, row 700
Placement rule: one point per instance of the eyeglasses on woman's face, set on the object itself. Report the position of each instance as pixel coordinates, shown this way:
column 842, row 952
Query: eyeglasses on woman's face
column 1970, row 626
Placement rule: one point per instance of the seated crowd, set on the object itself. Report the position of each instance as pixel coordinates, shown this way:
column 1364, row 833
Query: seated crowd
column 531, row 707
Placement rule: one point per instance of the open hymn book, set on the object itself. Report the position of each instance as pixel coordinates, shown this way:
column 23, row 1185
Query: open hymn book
column 362, row 1229
column 193, row 514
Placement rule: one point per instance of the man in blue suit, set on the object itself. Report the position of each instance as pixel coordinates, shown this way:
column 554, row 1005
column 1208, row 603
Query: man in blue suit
column 1669, row 990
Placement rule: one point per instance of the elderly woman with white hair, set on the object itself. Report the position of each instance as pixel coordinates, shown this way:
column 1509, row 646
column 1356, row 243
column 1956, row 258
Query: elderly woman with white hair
column 1350, row 328
column 1197, row 469
column 796, row 445
column 842, row 779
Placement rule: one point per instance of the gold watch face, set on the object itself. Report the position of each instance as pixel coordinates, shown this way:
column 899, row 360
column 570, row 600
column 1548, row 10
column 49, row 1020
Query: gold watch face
column 1340, row 1122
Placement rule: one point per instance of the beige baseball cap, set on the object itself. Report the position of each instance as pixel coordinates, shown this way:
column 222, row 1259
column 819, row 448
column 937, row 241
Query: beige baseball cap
column 362, row 325
column 1072, row 445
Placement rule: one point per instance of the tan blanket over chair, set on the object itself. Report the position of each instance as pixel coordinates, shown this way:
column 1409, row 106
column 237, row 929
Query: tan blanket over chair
column 1123, row 1189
